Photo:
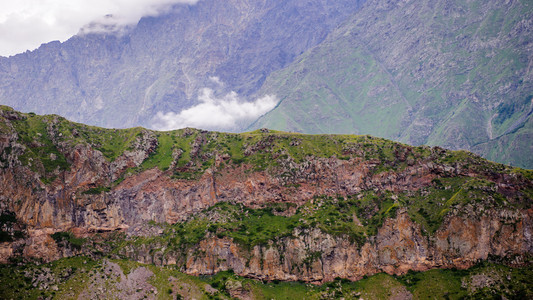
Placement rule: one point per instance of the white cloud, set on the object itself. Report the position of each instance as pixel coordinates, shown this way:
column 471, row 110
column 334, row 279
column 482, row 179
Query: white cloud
column 216, row 80
column 228, row 112
column 26, row 24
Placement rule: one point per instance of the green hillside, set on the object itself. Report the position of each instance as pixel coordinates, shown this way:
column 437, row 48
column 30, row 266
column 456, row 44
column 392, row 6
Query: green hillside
column 450, row 73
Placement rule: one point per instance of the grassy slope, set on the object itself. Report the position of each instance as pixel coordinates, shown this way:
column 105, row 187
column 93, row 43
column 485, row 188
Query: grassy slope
column 424, row 73
column 512, row 148
column 319, row 89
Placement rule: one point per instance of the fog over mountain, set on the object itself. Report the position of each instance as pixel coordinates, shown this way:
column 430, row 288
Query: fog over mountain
column 163, row 64
column 26, row 24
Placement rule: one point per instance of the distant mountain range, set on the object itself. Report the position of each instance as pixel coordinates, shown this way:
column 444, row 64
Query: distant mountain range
column 161, row 65
column 450, row 73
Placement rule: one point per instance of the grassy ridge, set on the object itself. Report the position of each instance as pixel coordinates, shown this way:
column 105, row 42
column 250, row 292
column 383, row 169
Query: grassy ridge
column 48, row 138
column 190, row 152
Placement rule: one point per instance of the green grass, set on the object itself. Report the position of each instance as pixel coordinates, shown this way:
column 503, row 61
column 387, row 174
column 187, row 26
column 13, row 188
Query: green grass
column 126, row 265
column 69, row 238
column 512, row 283
column 69, row 275
column 96, row 191
column 425, row 285
column 44, row 138
column 41, row 153
column 162, row 158
column 285, row 291
column 111, row 142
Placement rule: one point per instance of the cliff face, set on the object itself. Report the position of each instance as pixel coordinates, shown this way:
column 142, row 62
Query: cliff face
column 314, row 256
column 389, row 207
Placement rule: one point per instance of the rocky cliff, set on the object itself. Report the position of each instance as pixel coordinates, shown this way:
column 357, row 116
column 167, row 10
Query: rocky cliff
column 399, row 246
column 269, row 205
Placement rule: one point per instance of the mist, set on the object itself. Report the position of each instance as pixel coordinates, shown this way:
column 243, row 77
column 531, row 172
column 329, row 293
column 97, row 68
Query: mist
column 224, row 113
column 26, row 24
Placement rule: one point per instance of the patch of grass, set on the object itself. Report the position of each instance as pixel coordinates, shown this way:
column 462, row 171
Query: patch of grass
column 259, row 227
column 69, row 238
column 427, row 284
column 111, row 142
column 68, row 275
column 96, row 190
column 41, row 154
column 285, row 290
column 126, row 265
column 162, row 158
column 191, row 287
column 485, row 280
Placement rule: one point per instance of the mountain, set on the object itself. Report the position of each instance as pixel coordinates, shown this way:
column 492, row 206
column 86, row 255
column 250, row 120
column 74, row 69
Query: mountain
column 162, row 64
column 265, row 204
column 451, row 73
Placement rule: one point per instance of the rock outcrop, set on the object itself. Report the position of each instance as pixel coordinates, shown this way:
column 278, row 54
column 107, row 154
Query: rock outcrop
column 314, row 256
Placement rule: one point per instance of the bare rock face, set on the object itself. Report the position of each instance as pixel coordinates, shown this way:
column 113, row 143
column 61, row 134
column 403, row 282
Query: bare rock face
column 498, row 233
column 6, row 251
column 133, row 285
column 400, row 246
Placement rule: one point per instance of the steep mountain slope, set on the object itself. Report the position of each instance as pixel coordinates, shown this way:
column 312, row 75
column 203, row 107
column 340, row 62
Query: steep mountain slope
column 267, row 205
column 162, row 63
column 450, row 73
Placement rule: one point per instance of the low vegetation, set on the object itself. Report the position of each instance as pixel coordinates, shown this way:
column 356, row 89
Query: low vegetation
column 69, row 278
